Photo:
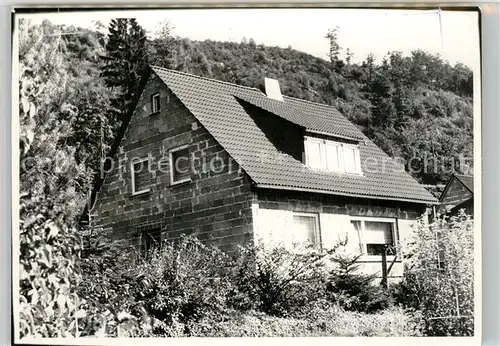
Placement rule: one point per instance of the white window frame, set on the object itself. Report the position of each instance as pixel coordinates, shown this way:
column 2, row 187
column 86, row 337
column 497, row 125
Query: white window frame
column 357, row 159
column 316, row 222
column 362, row 231
column 340, row 155
column 171, row 164
column 153, row 107
column 132, row 173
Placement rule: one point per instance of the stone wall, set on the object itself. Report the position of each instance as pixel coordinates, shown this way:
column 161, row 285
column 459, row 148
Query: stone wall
column 215, row 204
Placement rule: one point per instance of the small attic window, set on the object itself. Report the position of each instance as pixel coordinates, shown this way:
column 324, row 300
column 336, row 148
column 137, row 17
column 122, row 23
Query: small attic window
column 155, row 103
column 332, row 156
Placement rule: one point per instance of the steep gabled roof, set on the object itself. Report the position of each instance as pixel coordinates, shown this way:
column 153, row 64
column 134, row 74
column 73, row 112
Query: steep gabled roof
column 467, row 181
column 215, row 104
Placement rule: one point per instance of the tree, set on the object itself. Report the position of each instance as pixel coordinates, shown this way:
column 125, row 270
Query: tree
column 162, row 47
column 334, row 46
column 125, row 64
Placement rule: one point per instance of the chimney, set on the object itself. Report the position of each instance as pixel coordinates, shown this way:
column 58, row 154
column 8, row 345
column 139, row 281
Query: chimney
column 273, row 89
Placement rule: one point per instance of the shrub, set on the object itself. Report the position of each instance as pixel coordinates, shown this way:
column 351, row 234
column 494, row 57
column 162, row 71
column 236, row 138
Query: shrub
column 112, row 309
column 185, row 282
column 278, row 280
column 353, row 290
column 438, row 277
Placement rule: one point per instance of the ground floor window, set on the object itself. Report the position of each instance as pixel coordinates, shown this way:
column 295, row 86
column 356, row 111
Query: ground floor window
column 376, row 235
column 150, row 241
column 306, row 229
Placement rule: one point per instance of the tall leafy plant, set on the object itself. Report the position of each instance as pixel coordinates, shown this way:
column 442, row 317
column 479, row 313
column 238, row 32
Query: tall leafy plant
column 439, row 275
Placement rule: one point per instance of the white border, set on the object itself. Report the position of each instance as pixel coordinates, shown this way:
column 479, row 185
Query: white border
column 489, row 22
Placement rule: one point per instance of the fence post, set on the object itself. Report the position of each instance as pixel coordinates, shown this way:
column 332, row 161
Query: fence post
column 384, row 267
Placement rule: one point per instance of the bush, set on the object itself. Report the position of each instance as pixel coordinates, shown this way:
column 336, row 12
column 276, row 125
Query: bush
column 439, row 276
column 353, row 290
column 112, row 309
column 183, row 283
column 278, row 281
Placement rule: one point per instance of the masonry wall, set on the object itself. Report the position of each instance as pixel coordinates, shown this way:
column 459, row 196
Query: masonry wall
column 215, row 205
column 273, row 220
column 457, row 193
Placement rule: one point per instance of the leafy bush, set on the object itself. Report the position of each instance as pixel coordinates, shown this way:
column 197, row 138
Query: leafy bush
column 353, row 290
column 439, row 275
column 112, row 309
column 184, row 282
column 278, row 280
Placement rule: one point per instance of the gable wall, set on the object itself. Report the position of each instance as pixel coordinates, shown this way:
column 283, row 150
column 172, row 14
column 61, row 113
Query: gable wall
column 455, row 194
column 216, row 205
column 273, row 220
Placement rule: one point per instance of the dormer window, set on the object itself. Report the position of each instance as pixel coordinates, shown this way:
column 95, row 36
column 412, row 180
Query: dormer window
column 155, row 103
column 332, row 156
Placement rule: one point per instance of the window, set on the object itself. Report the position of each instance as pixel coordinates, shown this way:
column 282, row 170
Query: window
column 150, row 241
column 332, row 156
column 155, row 103
column 306, row 229
column 141, row 176
column 376, row 235
column 180, row 165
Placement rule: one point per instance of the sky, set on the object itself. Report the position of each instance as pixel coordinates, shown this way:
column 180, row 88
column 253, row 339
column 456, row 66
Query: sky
column 454, row 35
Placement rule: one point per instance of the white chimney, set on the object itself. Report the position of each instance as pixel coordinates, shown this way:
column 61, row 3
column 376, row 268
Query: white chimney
column 273, row 89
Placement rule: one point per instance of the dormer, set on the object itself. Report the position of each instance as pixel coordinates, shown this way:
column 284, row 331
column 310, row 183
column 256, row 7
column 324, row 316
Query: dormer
column 331, row 154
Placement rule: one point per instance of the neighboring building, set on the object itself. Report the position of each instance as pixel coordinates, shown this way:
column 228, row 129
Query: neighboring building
column 458, row 194
column 283, row 170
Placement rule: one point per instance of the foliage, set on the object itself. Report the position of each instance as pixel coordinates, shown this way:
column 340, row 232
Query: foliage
column 352, row 289
column 438, row 278
column 112, row 309
column 279, row 281
column 49, row 178
column 321, row 319
column 57, row 156
column 125, row 64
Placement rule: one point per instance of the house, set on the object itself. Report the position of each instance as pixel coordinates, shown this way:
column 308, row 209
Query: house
column 232, row 164
column 458, row 194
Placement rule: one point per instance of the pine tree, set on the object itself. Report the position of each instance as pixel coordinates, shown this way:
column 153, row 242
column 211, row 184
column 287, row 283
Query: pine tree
column 125, row 64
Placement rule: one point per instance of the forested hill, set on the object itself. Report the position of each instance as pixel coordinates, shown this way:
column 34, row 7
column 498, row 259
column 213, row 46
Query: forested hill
column 417, row 107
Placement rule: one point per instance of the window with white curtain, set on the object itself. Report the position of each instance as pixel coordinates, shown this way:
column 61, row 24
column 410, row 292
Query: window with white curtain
column 375, row 235
column 306, row 229
column 332, row 156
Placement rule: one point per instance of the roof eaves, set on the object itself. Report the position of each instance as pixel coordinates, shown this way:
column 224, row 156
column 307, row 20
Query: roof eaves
column 327, row 192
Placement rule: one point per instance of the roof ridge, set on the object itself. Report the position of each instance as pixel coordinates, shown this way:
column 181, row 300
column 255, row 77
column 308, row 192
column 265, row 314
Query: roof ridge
column 205, row 78
column 313, row 102
column 464, row 175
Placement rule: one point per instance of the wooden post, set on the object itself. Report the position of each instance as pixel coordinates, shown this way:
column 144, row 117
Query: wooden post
column 384, row 267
